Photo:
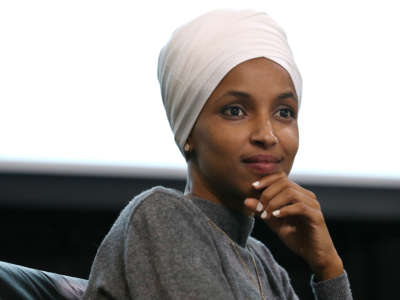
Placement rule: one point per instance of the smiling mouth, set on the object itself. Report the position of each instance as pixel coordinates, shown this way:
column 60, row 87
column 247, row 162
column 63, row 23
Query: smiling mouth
column 263, row 167
column 262, row 163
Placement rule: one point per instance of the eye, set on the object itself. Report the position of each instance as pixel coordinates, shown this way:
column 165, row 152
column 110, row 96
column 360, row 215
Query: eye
column 285, row 113
column 233, row 111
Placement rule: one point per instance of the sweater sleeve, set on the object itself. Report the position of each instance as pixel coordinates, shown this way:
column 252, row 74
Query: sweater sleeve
column 333, row 289
column 169, row 254
column 337, row 288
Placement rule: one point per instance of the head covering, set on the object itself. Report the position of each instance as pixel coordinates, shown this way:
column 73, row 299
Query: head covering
column 201, row 52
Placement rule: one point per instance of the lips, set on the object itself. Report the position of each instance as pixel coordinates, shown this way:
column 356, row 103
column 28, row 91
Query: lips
column 262, row 164
column 261, row 158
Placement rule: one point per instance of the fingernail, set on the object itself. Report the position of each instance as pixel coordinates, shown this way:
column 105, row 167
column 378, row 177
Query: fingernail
column 276, row 212
column 256, row 184
column 259, row 207
column 264, row 215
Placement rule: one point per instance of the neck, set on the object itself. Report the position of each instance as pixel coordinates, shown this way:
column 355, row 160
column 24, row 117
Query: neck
column 197, row 187
column 236, row 225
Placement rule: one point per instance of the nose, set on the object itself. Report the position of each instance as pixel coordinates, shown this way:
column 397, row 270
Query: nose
column 264, row 135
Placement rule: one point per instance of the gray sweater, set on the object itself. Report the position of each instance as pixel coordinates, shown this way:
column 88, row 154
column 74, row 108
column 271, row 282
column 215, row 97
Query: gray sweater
column 165, row 245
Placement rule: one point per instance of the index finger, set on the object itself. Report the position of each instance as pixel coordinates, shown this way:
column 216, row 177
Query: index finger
column 268, row 180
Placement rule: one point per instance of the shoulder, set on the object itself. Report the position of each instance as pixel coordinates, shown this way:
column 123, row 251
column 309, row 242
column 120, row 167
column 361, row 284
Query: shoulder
column 150, row 204
column 159, row 205
column 159, row 199
column 157, row 210
column 162, row 216
column 157, row 194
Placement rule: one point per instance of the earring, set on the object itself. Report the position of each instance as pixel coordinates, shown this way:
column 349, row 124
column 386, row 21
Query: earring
column 186, row 148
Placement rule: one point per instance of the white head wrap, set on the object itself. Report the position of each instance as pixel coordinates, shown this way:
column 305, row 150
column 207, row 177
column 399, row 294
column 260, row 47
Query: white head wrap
column 201, row 52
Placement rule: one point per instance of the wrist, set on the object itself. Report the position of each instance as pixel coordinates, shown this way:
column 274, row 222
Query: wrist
column 330, row 270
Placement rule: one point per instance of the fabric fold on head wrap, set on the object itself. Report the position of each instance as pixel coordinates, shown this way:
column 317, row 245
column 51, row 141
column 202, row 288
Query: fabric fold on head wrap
column 200, row 54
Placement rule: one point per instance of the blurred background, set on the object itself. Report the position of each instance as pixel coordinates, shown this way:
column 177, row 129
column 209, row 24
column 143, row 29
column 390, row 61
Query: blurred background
column 83, row 128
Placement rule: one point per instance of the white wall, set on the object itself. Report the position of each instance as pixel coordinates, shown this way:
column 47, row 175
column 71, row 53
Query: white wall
column 79, row 92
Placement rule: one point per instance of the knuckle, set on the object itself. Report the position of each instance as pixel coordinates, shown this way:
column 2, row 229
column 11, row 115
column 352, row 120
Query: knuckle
column 289, row 184
column 320, row 218
column 290, row 191
column 302, row 207
column 317, row 205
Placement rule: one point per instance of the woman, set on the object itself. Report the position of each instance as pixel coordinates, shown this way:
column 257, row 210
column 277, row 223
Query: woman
column 232, row 93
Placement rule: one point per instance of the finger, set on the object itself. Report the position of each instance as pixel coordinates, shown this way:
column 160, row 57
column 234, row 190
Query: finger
column 268, row 180
column 275, row 178
column 299, row 209
column 287, row 197
column 254, row 205
column 283, row 183
column 308, row 192
column 274, row 189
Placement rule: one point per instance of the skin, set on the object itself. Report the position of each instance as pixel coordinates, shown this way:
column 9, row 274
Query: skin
column 254, row 111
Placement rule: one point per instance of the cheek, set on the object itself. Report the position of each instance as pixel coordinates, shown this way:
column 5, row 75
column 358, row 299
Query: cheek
column 289, row 140
column 218, row 145
column 220, row 141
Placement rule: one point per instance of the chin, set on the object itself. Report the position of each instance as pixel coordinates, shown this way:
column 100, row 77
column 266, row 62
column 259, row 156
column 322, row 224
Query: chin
column 245, row 190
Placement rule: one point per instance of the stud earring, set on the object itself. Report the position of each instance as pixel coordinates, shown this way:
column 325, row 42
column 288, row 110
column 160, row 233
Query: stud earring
column 186, row 148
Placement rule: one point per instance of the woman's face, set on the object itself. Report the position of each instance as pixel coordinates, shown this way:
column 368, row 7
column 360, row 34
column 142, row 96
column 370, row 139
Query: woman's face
column 246, row 130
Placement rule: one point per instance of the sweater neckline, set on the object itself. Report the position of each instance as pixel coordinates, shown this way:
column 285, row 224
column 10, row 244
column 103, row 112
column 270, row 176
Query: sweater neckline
column 235, row 224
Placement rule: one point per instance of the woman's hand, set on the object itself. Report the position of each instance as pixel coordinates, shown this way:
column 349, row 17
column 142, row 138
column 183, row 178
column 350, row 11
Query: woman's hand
column 295, row 215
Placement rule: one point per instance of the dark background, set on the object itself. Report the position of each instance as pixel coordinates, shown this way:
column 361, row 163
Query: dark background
column 56, row 223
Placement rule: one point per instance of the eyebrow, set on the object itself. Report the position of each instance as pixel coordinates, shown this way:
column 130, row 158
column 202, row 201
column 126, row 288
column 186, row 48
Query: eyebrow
column 287, row 95
column 236, row 94
column 241, row 94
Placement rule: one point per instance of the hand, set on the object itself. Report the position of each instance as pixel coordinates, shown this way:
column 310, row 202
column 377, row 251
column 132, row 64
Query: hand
column 295, row 215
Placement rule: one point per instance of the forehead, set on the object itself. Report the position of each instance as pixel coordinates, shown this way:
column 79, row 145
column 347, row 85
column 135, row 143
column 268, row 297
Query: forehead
column 260, row 77
column 258, row 70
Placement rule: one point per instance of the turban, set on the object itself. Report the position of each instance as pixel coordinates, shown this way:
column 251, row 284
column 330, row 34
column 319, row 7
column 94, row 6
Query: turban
column 201, row 53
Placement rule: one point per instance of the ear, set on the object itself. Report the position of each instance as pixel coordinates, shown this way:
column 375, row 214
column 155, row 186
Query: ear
column 188, row 148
